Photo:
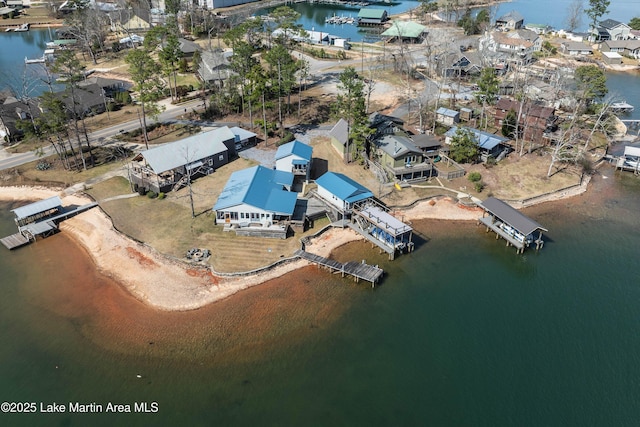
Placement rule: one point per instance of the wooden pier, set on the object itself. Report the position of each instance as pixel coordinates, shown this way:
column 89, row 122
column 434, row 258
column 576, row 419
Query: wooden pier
column 14, row 241
column 358, row 270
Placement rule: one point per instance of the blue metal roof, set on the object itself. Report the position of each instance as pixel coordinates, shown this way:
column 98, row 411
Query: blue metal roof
column 343, row 187
column 259, row 187
column 486, row 140
column 295, row 148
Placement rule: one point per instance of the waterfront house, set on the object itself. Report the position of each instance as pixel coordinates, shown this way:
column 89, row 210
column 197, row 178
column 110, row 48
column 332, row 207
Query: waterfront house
column 490, row 145
column 574, row 48
column 510, row 21
column 339, row 135
column 256, row 197
column 630, row 48
column 535, row 119
column 538, row 28
column 447, row 117
column 400, row 157
column 217, row 4
column 295, row 157
column 370, row 16
column 405, row 32
column 464, row 65
column 170, row 166
column 610, row 29
column 342, row 192
column 86, row 100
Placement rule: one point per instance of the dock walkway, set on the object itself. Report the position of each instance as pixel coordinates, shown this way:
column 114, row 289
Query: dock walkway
column 358, row 270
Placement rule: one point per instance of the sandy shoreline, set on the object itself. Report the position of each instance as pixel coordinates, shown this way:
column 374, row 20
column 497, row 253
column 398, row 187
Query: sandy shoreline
column 168, row 284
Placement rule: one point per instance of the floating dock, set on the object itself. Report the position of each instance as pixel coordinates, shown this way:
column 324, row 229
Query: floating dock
column 357, row 270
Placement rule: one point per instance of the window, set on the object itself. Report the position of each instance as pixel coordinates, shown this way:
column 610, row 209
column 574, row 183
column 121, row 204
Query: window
column 221, row 157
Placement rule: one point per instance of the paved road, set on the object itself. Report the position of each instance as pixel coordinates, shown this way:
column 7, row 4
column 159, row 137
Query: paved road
column 101, row 136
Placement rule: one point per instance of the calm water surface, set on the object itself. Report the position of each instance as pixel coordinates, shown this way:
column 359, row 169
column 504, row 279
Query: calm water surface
column 462, row 332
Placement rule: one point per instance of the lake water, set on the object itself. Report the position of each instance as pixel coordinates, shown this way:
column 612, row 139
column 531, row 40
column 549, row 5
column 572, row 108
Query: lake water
column 14, row 73
column 461, row 332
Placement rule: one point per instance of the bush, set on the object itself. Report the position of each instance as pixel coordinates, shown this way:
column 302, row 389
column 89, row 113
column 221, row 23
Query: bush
column 152, row 194
column 479, row 186
column 474, row 177
column 288, row 137
column 161, row 195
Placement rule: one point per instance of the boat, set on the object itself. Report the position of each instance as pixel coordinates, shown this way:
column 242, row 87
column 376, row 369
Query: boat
column 35, row 60
column 8, row 29
column 22, row 28
column 621, row 107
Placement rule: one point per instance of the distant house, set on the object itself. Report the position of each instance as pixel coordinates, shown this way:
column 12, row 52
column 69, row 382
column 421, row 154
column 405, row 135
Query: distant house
column 515, row 45
column 466, row 64
column 136, row 23
column 535, row 119
column 188, row 48
column 510, row 21
column 109, row 86
column 11, row 111
column 86, row 100
column 217, row 4
column 629, row 48
column 342, row 192
column 538, row 28
column 169, row 166
column 295, row 157
column 339, row 135
column 576, row 48
column 256, row 196
column 385, row 125
column 215, row 67
column 405, row 31
column 490, row 145
column 447, row 117
column 610, row 29
column 400, row 157
column 370, row 16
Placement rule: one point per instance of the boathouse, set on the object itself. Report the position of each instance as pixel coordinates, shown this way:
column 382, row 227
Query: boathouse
column 37, row 211
column 370, row 16
column 390, row 234
column 510, row 224
column 405, row 31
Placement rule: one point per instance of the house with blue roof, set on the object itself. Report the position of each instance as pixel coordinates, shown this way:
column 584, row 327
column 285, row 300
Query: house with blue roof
column 341, row 191
column 491, row 145
column 256, row 197
column 447, row 116
column 295, row 157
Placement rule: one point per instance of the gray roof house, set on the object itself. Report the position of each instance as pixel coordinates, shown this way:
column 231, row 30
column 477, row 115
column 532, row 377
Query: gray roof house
column 576, row 48
column 400, row 157
column 510, row 21
column 170, row 166
column 215, row 67
column 490, row 145
column 610, row 29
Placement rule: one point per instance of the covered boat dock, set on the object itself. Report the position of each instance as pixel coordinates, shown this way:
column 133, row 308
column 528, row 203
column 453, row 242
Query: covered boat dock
column 510, row 224
column 40, row 218
column 384, row 230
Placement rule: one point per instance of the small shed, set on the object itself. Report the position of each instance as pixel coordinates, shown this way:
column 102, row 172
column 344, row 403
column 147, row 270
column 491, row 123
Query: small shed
column 295, row 157
column 447, row 116
column 612, row 58
column 339, row 135
column 466, row 114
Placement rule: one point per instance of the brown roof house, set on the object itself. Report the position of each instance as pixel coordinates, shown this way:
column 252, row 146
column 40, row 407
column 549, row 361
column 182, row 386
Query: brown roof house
column 535, row 120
